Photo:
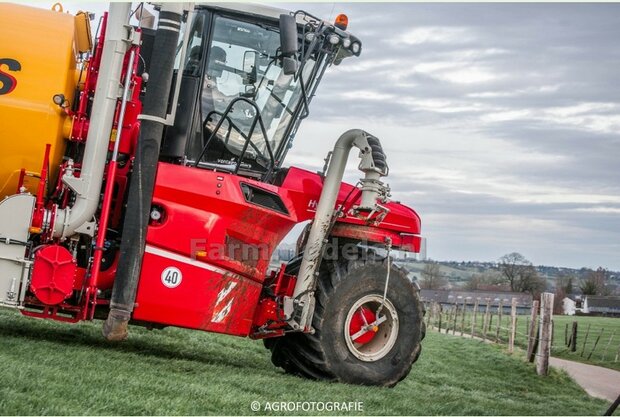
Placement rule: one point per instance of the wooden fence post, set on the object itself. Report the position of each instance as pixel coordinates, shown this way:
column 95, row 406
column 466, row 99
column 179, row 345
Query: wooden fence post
column 608, row 344
column 456, row 313
column 516, row 327
column 552, row 331
column 429, row 314
column 585, row 340
column 440, row 313
column 566, row 335
column 463, row 316
column 513, row 325
column 531, row 336
column 573, row 338
column 485, row 326
column 474, row 318
column 448, row 320
column 596, row 343
column 500, row 308
column 544, row 347
column 527, row 327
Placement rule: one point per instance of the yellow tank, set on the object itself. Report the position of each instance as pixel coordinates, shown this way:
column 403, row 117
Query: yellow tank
column 38, row 50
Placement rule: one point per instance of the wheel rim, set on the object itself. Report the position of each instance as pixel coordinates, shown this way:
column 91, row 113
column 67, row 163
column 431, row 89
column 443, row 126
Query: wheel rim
column 370, row 337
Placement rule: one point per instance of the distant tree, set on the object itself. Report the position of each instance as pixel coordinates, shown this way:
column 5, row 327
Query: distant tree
column 588, row 287
column 489, row 280
column 566, row 283
column 431, row 277
column 595, row 283
column 512, row 266
column 520, row 274
column 563, row 288
column 474, row 283
column 531, row 282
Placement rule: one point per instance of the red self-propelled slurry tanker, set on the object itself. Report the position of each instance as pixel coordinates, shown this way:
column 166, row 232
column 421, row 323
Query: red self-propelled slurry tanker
column 143, row 183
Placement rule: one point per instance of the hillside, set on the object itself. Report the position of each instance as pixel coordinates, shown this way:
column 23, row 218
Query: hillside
column 458, row 273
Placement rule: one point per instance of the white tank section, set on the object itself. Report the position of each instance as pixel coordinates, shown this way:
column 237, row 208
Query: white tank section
column 15, row 218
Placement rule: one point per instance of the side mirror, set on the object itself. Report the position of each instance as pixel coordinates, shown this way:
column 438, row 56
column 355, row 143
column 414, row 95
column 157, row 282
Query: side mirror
column 250, row 67
column 288, row 43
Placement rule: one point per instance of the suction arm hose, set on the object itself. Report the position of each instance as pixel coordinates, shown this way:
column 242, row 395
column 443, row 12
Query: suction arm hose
column 371, row 157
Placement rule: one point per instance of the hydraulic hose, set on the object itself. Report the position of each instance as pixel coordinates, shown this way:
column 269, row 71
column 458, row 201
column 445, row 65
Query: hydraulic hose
column 142, row 181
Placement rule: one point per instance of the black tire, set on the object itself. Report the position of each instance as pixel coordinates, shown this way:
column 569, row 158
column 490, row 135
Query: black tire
column 325, row 354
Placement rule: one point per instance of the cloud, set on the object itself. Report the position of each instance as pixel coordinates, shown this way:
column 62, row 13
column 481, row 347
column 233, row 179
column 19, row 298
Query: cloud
column 501, row 123
column 436, row 34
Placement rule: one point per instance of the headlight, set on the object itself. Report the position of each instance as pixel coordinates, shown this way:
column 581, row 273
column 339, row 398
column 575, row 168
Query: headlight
column 334, row 39
column 355, row 48
column 346, row 42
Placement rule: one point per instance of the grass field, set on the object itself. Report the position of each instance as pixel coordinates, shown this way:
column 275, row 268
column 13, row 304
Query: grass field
column 604, row 354
column 55, row 368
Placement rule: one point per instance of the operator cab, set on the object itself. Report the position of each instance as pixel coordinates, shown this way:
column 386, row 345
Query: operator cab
column 246, row 82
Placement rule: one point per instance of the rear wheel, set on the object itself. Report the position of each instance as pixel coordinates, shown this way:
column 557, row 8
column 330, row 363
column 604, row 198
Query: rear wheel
column 359, row 338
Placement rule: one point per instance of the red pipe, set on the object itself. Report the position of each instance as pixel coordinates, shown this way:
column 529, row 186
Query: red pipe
column 91, row 291
column 37, row 218
column 20, row 182
column 103, row 226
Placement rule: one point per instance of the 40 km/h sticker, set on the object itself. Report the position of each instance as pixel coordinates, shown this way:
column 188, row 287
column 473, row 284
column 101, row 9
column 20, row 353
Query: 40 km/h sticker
column 171, row 277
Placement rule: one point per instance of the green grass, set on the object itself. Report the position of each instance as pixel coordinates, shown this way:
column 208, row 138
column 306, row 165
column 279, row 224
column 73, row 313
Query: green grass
column 605, row 352
column 603, row 355
column 56, row 368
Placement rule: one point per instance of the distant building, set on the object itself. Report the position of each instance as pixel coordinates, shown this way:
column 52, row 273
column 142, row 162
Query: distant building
column 600, row 305
column 492, row 298
column 569, row 307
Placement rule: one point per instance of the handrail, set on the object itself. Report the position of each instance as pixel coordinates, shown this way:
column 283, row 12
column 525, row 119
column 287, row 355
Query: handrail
column 248, row 139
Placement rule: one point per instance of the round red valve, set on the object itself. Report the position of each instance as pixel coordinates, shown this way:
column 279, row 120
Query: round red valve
column 53, row 274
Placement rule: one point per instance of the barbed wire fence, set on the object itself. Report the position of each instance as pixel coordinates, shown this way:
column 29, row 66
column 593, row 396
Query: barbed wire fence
column 498, row 322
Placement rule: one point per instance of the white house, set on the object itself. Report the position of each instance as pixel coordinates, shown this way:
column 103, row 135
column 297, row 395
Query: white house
column 568, row 307
column 601, row 305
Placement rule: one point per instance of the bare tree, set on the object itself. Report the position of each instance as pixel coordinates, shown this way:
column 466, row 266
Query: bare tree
column 474, row 283
column 521, row 274
column 595, row 283
column 488, row 280
column 431, row 277
column 531, row 282
column 558, row 300
column 512, row 267
column 566, row 283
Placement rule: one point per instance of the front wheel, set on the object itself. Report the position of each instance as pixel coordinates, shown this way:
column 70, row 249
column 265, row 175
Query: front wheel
column 359, row 338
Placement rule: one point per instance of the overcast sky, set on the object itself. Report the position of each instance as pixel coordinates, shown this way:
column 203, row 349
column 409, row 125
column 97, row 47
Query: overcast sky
column 500, row 123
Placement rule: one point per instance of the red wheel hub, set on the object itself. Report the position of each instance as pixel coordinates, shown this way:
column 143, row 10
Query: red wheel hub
column 361, row 318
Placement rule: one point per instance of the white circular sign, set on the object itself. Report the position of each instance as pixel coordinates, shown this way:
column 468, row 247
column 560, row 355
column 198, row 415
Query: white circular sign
column 171, row 277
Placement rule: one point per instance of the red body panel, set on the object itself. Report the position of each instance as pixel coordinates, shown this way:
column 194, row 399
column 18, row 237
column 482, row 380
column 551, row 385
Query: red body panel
column 303, row 188
column 206, row 297
column 207, row 224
